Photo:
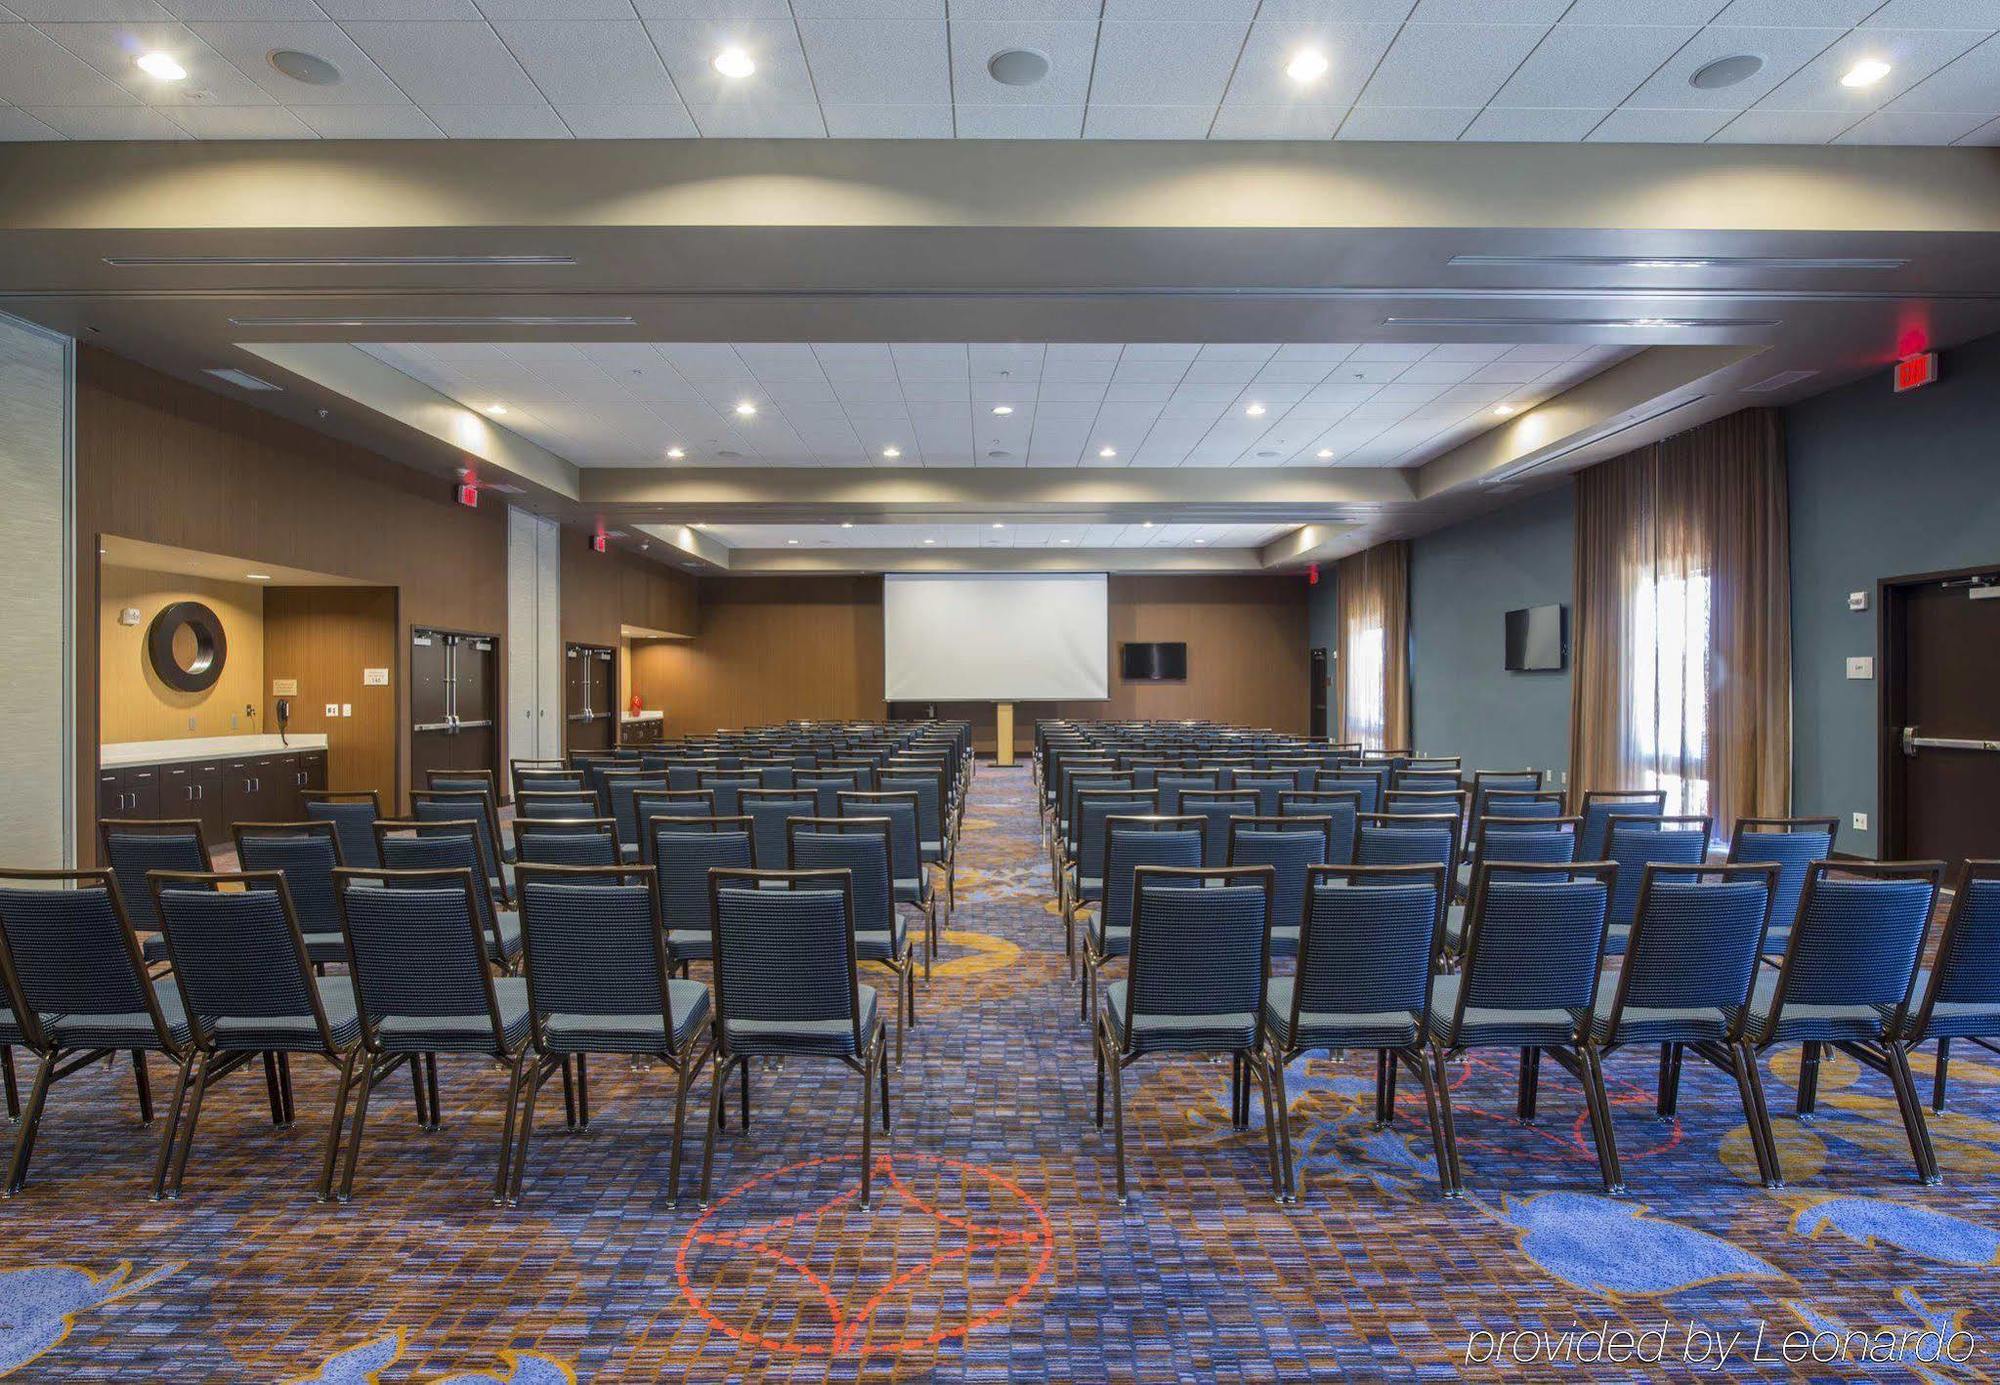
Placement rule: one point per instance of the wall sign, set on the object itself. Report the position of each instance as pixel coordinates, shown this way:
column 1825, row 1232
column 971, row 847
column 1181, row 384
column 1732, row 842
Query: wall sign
column 374, row 677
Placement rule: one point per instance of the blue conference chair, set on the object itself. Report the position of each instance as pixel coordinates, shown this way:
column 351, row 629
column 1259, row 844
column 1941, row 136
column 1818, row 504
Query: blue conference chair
column 1792, row 845
column 1961, row 994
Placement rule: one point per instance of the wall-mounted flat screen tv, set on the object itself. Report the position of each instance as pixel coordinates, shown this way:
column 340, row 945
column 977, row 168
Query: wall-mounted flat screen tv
column 1537, row 639
column 1153, row 663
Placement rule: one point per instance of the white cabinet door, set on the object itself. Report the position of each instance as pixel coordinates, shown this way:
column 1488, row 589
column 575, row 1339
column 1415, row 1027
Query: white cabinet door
column 534, row 637
column 548, row 639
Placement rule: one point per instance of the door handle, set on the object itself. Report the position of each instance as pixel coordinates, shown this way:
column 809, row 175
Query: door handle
column 1912, row 742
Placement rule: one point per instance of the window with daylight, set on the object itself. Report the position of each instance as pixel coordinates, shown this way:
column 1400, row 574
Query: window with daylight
column 1372, row 600
column 1668, row 675
column 1365, row 686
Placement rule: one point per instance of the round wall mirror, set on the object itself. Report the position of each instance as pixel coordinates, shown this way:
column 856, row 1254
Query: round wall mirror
column 186, row 646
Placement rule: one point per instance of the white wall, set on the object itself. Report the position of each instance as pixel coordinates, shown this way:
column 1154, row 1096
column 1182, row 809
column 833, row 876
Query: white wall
column 38, row 597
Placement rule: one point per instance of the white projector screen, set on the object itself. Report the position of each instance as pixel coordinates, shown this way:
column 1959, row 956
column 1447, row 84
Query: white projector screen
column 995, row 638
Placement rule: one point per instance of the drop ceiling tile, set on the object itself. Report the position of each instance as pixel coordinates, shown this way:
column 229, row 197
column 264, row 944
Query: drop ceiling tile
column 248, row 46
column 1934, row 14
column 212, row 79
column 1276, row 122
column 1644, row 11
column 869, row 9
column 1969, row 86
column 888, row 122
column 759, row 122
column 1630, row 125
column 866, row 359
column 1784, row 52
column 369, row 122
column 1293, row 372
column 1784, row 127
column 1449, row 64
column 403, row 11
column 1352, row 51
column 1914, row 54
column 1026, row 9
column 1911, row 127
column 1406, row 122
column 1147, row 122
column 689, row 47
column 628, row 122
column 19, row 126
column 878, row 62
column 1985, row 136
column 240, row 122
column 590, row 63
column 244, row 9
column 1583, row 65
column 109, row 122
column 498, row 122
column 1216, row 10
column 37, row 10
column 1068, row 45
column 444, row 64
column 1138, row 62
column 712, row 9
column 1522, row 125
column 504, row 11
column 1488, row 11
column 1796, row 14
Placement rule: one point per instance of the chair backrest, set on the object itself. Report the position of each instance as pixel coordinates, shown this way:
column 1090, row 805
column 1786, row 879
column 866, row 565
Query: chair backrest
column 1601, row 805
column 859, row 846
column 408, row 848
column 132, row 849
column 1368, row 951
column 1401, row 839
column 769, row 810
column 684, row 774
column 1087, row 827
column 462, row 805
column 1427, row 802
column 1859, row 936
column 1201, row 949
column 1518, row 803
column 418, row 947
column 1430, row 762
column 353, row 815
column 556, row 804
column 1171, row 783
column 1079, row 781
column 771, row 772
column 592, row 943
column 621, row 792
column 1489, row 781
column 651, row 805
column 682, row 851
column 1635, row 843
column 1792, row 845
column 1267, row 784
column 545, row 776
column 930, row 792
column 1695, row 940
column 826, row 785
column 1132, row 842
column 1291, row 847
column 461, row 779
column 1367, row 783
column 727, row 785
column 1425, row 781
column 1341, row 807
column 238, row 951
column 1215, row 807
column 566, row 842
column 1532, row 841
column 905, row 861
column 784, row 951
column 1535, row 944
column 67, row 947
column 1967, row 969
column 306, row 855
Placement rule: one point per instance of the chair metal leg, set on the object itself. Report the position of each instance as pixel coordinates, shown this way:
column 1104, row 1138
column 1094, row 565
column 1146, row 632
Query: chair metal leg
column 1117, row 1117
column 1255, row 1060
column 340, row 1091
column 183, row 1071
column 1937, row 1078
column 868, row 1119
column 1914, row 1125
column 1808, row 1098
column 1530, row 1085
column 419, row 1095
column 1283, row 1106
column 882, row 1070
column 714, row 1121
column 204, row 1074
column 583, row 1092
column 24, row 1138
column 534, row 1072
column 1668, row 1103
column 1450, row 1172
column 354, row 1131
column 1236, row 1093
column 569, row 1094
column 744, row 1078
column 1098, row 1048
column 1599, row 1102
column 12, row 1082
column 143, row 1081
column 1383, row 1109
column 684, row 1067
column 1744, row 1064
column 1421, row 1065
column 285, row 1093
column 271, row 1092
column 1756, row 1075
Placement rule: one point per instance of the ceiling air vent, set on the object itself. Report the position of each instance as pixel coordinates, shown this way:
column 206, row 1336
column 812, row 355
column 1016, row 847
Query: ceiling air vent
column 242, row 379
column 1778, row 381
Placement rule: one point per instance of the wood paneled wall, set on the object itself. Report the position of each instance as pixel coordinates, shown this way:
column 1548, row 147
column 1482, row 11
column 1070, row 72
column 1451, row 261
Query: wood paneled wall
column 137, row 705
column 602, row 591
column 777, row 648
column 324, row 637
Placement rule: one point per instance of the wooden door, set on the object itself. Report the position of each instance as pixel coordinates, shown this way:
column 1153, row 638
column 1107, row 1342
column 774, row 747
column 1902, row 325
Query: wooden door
column 476, row 702
column 590, row 715
column 1941, row 737
column 430, row 704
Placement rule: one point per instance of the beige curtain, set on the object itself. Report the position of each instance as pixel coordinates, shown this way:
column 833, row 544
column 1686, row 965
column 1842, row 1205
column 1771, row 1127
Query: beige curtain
column 1372, row 598
column 1683, row 622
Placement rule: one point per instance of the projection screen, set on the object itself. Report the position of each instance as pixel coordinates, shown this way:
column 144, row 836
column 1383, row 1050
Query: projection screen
column 995, row 638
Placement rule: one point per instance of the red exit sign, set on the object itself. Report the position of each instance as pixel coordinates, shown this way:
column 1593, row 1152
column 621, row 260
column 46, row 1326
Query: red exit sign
column 1915, row 371
column 468, row 494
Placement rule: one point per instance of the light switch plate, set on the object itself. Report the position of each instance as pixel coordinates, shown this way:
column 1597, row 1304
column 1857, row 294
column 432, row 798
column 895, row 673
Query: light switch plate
column 1861, row 822
column 333, row 709
column 1862, row 666
column 1857, row 601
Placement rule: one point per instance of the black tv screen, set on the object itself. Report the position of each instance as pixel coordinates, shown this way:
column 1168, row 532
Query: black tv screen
column 1154, row 663
column 1537, row 638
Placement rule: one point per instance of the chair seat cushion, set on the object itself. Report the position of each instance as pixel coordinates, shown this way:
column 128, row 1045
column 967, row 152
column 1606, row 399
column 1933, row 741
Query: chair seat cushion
column 1285, row 940
column 510, row 935
column 1951, row 1019
column 1176, row 1033
column 153, row 947
column 1821, row 1023
column 691, row 944
column 461, row 1033
column 1089, row 887
column 628, row 853
column 589, row 1033
column 824, row 1038
column 296, row 1033
column 1653, row 1024
column 1454, row 928
column 1332, row 1029
column 129, row 1030
column 916, row 891
column 1492, row 1025
column 882, row 944
column 1106, row 942
column 10, row 1032
column 326, row 947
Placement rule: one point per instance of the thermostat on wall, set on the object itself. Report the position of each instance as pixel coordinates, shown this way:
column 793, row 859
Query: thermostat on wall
column 130, row 616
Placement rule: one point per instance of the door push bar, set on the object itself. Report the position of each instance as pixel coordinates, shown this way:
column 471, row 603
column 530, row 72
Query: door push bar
column 1912, row 743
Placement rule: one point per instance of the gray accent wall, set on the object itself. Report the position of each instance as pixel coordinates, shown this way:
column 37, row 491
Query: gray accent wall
column 1883, row 485
column 1463, row 581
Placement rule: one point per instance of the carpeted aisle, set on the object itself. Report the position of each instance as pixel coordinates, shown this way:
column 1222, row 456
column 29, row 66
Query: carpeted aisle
column 995, row 1247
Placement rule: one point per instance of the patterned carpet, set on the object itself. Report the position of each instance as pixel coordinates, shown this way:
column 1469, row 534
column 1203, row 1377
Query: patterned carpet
column 996, row 1248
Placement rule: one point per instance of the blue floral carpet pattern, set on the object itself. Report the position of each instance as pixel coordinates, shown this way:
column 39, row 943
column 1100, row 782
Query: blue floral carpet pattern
column 995, row 1247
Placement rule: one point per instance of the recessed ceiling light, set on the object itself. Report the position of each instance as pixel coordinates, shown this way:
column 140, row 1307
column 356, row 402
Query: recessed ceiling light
column 1003, row 409
column 258, row 576
column 697, row 525
column 1865, row 73
column 1201, row 540
column 161, row 65
column 496, row 409
column 892, row 452
column 676, row 453
column 1307, row 65
column 242, row 379
column 1726, row 72
column 998, row 525
column 734, row 63
column 791, row 540
column 1017, row 67
column 1107, row 451
column 1326, row 454
column 745, row 409
column 1255, row 411
column 1503, row 409
column 309, row 68
column 1062, row 540
column 847, row 524
column 1147, row 525
column 930, row 540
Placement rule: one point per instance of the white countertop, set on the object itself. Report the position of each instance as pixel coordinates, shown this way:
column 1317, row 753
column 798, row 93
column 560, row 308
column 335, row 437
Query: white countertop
column 640, row 716
column 122, row 753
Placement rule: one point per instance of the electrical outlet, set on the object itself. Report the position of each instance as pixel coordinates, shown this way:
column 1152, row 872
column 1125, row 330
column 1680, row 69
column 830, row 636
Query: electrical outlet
column 1857, row 601
column 333, row 709
column 1861, row 822
column 347, row 709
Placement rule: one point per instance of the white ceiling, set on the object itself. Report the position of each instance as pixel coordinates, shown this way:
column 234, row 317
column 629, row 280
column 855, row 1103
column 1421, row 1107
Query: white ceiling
column 1522, row 70
column 945, row 536
column 844, row 404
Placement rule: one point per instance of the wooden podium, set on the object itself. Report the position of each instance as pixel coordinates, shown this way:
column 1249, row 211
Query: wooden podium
column 1003, row 733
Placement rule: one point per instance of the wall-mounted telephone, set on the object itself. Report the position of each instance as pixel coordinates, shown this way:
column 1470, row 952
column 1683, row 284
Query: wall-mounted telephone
column 283, row 709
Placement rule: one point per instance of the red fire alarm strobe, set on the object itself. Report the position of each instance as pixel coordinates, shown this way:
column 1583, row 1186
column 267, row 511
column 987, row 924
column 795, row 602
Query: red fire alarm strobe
column 597, row 543
column 1915, row 371
column 1312, row 574
column 468, row 494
